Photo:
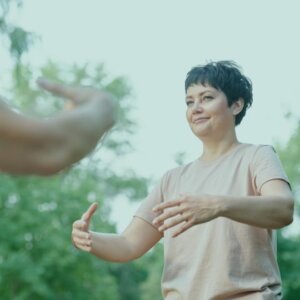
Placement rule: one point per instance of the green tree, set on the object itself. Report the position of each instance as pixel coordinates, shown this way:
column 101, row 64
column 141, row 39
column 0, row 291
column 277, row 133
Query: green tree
column 17, row 39
column 37, row 260
column 289, row 245
column 151, row 288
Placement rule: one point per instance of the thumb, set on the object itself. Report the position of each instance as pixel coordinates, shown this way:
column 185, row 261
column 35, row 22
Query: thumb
column 87, row 216
column 56, row 88
column 47, row 84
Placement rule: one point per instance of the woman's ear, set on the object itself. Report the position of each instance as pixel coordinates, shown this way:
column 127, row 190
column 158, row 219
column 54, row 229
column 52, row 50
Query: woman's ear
column 237, row 106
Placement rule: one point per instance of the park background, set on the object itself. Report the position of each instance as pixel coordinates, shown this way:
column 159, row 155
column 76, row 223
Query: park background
column 141, row 52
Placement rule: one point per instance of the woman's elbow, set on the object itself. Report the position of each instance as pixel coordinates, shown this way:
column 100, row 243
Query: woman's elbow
column 288, row 212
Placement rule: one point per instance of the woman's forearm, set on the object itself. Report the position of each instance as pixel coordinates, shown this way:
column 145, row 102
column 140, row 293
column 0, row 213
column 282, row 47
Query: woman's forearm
column 111, row 247
column 138, row 237
column 261, row 211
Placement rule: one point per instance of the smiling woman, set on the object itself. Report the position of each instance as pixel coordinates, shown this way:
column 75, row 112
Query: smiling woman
column 208, row 110
column 213, row 103
column 218, row 213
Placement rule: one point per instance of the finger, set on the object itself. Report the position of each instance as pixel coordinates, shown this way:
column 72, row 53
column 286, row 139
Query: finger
column 183, row 228
column 81, row 242
column 162, row 206
column 84, row 248
column 157, row 225
column 173, row 222
column 59, row 89
column 80, row 225
column 166, row 215
column 86, row 217
column 81, row 234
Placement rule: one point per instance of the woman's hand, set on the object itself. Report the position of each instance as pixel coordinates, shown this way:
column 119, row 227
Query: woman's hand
column 188, row 210
column 81, row 236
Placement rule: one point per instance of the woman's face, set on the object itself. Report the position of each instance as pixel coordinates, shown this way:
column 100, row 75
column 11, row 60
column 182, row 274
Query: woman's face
column 208, row 113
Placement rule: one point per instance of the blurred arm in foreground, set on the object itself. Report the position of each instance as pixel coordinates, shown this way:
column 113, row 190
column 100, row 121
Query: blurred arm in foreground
column 46, row 146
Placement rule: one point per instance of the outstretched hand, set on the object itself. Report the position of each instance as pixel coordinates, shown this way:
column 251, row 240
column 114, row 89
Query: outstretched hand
column 186, row 211
column 81, row 236
column 75, row 95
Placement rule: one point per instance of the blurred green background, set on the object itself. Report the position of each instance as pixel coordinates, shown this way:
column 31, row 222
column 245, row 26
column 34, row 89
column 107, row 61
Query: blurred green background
column 37, row 259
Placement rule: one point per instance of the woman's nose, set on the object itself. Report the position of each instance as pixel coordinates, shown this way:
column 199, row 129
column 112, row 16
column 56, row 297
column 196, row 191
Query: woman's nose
column 197, row 107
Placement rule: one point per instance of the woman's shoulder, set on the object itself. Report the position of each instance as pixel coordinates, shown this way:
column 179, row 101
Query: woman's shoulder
column 254, row 148
column 256, row 154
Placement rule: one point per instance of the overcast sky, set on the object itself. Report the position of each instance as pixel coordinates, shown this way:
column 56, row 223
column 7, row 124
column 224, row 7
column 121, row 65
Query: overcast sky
column 155, row 43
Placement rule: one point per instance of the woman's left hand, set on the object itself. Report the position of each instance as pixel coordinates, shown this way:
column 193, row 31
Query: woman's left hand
column 189, row 210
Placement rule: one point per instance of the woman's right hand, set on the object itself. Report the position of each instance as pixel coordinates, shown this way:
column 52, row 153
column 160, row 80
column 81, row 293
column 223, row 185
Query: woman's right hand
column 81, row 236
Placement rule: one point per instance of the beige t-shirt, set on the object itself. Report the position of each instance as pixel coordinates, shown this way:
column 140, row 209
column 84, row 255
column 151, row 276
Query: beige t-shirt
column 220, row 259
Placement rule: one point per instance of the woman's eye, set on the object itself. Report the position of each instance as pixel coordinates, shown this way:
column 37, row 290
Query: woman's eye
column 207, row 98
column 189, row 103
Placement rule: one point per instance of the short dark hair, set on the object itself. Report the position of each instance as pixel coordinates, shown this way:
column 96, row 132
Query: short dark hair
column 227, row 77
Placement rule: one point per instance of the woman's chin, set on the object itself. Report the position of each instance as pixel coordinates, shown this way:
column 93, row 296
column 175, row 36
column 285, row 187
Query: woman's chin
column 201, row 134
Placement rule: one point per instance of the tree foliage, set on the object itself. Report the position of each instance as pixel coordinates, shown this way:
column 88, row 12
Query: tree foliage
column 17, row 39
column 289, row 244
column 37, row 259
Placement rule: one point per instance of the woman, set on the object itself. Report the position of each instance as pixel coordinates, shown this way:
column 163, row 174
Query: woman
column 218, row 213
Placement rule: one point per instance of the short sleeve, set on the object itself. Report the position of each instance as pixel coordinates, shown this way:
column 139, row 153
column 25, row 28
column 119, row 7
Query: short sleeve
column 155, row 197
column 266, row 166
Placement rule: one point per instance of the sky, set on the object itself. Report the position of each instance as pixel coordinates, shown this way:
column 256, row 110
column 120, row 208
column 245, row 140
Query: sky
column 155, row 43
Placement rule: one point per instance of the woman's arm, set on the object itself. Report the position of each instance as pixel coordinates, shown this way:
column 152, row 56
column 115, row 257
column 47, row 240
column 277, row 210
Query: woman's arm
column 136, row 240
column 272, row 209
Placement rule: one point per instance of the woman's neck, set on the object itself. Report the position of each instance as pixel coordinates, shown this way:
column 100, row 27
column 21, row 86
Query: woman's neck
column 214, row 149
